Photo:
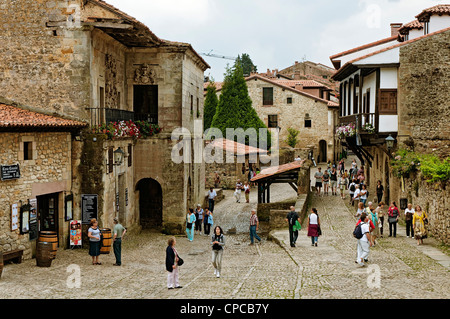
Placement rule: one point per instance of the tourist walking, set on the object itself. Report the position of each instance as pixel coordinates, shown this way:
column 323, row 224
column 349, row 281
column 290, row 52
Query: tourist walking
column 313, row 226
column 198, row 219
column 393, row 214
column 237, row 191
column 318, row 176
column 254, row 225
column 292, row 217
column 217, row 243
column 118, row 233
column 360, row 210
column 173, row 261
column 206, row 225
column 380, row 191
column 356, row 194
column 211, row 198
column 363, row 194
column 190, row 221
column 333, row 181
column 364, row 243
column 373, row 217
column 380, row 213
column 342, row 184
column 351, row 191
column 95, row 242
column 420, row 224
column 409, row 213
column 325, row 182
column 247, row 192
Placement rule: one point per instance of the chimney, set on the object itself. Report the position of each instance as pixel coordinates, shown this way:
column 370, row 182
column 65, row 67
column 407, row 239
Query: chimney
column 299, row 86
column 394, row 28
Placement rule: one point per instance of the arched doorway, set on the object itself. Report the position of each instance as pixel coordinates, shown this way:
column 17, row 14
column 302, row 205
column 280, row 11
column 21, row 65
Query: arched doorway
column 322, row 151
column 150, row 203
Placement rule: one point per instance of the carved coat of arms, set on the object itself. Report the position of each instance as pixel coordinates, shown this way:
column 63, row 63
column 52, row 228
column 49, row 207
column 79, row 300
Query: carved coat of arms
column 144, row 75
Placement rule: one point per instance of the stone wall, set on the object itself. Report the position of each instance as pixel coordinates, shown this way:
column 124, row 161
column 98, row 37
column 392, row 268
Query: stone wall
column 49, row 171
column 423, row 94
column 41, row 67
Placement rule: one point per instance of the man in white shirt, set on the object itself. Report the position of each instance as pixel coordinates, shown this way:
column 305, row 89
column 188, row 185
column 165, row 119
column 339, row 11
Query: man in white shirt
column 211, row 197
column 364, row 242
column 237, row 191
column 356, row 194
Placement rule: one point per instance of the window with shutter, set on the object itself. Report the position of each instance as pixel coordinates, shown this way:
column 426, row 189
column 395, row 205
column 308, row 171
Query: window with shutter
column 267, row 96
column 273, row 121
column 388, row 101
column 110, row 160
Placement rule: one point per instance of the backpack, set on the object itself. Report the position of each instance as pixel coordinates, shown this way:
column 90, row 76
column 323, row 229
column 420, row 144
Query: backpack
column 352, row 187
column 292, row 218
column 357, row 233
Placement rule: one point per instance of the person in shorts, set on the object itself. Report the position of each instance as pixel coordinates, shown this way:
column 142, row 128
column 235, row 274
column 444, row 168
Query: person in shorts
column 318, row 176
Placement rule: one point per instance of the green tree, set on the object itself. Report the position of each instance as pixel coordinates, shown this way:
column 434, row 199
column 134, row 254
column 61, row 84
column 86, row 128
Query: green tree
column 235, row 109
column 211, row 101
column 247, row 64
column 292, row 137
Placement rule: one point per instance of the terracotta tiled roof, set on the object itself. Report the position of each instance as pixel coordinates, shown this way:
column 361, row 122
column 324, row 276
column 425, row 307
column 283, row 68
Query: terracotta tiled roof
column 365, row 46
column 439, row 9
column 276, row 170
column 12, row 117
column 305, row 83
column 388, row 48
column 416, row 24
column 235, row 148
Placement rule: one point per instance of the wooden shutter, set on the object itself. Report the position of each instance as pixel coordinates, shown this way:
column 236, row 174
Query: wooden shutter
column 388, row 101
column 110, row 160
column 267, row 96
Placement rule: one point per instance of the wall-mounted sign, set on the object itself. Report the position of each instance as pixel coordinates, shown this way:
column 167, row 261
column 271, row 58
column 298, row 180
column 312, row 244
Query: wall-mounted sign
column 10, row 172
column 33, row 222
column 89, row 207
column 69, row 204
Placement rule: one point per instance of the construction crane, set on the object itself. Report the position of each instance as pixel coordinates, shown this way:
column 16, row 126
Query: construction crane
column 218, row 56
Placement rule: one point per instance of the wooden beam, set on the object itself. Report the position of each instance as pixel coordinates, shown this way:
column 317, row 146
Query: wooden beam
column 294, row 187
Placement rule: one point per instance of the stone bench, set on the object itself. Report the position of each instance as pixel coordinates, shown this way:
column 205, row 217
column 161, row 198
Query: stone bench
column 15, row 256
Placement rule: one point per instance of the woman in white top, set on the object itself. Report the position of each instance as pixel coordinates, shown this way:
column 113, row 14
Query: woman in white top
column 313, row 227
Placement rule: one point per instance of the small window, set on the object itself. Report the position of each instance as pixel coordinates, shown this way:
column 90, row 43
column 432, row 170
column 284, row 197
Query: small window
column 388, row 101
column 267, row 96
column 289, row 100
column 27, row 151
column 130, row 155
column 273, row 121
column 307, row 120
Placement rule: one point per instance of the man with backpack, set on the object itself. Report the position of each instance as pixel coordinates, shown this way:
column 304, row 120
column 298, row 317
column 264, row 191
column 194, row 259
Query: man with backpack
column 292, row 217
column 362, row 234
column 351, row 191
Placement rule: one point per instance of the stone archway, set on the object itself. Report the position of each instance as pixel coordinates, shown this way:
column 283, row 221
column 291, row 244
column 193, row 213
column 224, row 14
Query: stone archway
column 150, row 203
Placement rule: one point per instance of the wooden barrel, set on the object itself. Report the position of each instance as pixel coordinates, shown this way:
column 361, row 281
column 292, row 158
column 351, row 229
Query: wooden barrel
column 49, row 237
column 107, row 241
column 44, row 254
column 1, row 264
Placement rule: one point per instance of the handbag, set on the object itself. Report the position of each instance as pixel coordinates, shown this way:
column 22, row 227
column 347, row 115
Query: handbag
column 180, row 261
column 319, row 230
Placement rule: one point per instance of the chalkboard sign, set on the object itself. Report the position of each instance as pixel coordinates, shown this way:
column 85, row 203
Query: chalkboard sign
column 89, row 207
column 10, row 172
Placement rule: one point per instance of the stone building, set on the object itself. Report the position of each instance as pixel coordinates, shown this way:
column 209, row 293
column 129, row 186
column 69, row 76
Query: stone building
column 398, row 87
column 302, row 105
column 88, row 61
column 36, row 166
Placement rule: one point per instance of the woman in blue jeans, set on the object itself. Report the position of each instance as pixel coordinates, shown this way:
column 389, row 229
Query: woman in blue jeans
column 254, row 225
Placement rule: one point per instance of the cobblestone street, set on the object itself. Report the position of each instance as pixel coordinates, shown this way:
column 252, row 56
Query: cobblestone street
column 272, row 270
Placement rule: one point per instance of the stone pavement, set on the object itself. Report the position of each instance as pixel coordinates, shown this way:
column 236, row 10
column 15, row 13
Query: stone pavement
column 270, row 270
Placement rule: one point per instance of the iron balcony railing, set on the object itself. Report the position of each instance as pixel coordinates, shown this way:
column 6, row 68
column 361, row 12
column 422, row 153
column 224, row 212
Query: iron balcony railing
column 99, row 116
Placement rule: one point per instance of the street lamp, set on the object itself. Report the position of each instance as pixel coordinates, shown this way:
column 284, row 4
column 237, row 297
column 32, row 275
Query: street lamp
column 389, row 142
column 118, row 156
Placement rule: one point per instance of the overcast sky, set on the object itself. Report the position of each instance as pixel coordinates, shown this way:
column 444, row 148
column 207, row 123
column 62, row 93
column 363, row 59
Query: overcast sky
column 275, row 33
